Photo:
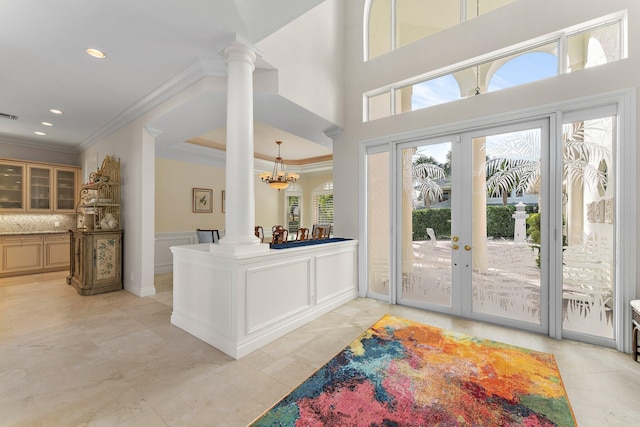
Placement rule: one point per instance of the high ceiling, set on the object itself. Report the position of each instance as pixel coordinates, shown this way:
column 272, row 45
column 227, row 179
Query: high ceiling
column 148, row 44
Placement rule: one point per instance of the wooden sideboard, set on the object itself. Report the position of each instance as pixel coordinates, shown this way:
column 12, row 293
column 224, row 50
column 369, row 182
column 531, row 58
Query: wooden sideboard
column 96, row 261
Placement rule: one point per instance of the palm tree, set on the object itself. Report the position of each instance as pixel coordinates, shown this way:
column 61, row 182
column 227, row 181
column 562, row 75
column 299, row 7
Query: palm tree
column 517, row 164
column 514, row 167
column 425, row 172
column 581, row 158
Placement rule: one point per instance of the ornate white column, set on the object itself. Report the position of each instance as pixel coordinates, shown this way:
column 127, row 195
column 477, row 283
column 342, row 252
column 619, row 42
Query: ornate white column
column 240, row 200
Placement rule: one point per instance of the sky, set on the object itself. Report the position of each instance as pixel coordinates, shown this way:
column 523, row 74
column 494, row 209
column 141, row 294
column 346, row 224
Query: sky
column 522, row 69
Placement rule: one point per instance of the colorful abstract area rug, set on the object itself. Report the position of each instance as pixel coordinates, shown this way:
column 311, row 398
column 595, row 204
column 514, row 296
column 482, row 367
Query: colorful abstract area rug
column 403, row 373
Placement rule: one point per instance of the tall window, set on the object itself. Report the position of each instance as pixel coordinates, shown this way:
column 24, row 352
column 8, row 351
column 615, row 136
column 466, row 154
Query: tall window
column 292, row 209
column 322, row 201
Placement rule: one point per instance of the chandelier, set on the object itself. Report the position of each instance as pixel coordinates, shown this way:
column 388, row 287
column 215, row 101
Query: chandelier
column 279, row 178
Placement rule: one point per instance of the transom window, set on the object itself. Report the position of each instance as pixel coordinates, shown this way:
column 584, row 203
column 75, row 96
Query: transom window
column 590, row 44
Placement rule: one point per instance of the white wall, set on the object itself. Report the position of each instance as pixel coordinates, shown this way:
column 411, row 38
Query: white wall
column 135, row 149
column 308, row 54
column 514, row 23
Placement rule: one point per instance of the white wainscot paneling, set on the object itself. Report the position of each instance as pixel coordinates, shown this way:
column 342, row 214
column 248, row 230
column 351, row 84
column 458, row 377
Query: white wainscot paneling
column 163, row 258
column 335, row 274
column 202, row 303
column 276, row 292
column 240, row 303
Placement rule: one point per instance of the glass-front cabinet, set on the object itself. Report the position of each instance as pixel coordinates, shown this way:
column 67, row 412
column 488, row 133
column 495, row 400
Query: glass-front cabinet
column 65, row 189
column 36, row 187
column 12, row 186
column 39, row 198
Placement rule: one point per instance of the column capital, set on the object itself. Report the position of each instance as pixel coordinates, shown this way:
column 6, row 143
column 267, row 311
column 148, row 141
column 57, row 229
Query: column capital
column 236, row 48
column 333, row 132
column 153, row 131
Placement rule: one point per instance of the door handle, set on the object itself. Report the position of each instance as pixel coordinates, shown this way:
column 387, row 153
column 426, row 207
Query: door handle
column 467, row 248
column 455, row 247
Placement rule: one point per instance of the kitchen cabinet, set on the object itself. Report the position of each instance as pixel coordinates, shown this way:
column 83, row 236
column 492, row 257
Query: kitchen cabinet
column 40, row 188
column 33, row 253
column 12, row 188
column 56, row 251
column 65, row 192
column 21, row 254
column 37, row 187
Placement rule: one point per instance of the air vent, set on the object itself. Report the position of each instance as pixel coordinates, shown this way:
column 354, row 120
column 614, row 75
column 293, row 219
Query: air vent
column 8, row 116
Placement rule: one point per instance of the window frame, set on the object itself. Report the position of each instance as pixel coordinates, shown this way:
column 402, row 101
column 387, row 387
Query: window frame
column 559, row 38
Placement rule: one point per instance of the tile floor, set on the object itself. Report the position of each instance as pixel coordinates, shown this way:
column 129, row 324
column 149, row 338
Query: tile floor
column 115, row 360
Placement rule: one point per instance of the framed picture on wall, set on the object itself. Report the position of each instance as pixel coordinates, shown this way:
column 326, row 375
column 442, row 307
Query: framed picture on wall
column 202, row 200
column 224, row 194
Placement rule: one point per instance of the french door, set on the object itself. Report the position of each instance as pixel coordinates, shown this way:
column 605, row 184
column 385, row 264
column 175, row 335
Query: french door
column 465, row 248
column 530, row 224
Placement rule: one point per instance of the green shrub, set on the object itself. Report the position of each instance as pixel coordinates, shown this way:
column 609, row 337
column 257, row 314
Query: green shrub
column 439, row 219
column 500, row 222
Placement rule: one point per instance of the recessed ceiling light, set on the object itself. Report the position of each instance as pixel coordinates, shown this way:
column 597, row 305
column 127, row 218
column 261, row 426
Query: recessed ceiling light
column 46, row 124
column 95, row 53
column 54, row 111
column 40, row 133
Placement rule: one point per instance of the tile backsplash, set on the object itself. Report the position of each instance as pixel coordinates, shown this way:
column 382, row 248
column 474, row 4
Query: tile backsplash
column 10, row 223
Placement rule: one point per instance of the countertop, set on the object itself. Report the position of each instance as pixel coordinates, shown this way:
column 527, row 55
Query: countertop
column 24, row 233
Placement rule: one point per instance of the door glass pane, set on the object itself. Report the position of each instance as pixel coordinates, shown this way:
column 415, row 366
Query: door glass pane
column 378, row 223
column 426, row 219
column 506, row 226
column 40, row 185
column 11, row 186
column 588, row 227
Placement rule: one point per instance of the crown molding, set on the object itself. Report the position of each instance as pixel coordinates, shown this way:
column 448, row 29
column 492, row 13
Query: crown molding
column 193, row 153
column 261, row 165
column 26, row 143
column 203, row 67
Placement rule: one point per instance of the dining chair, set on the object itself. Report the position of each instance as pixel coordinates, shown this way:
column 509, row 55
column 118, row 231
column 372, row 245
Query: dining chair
column 259, row 231
column 302, row 234
column 207, row 236
column 318, row 233
column 279, row 234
